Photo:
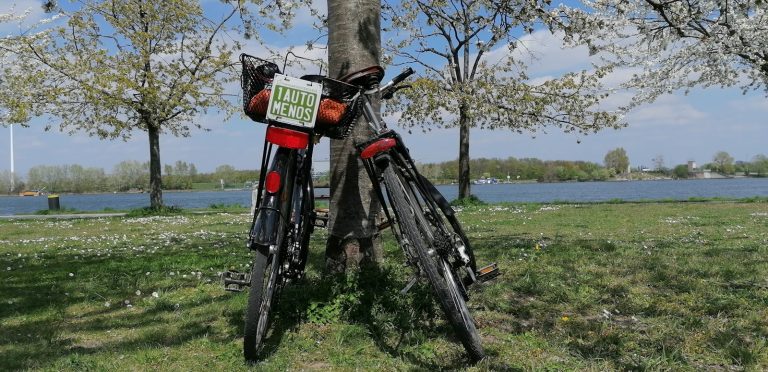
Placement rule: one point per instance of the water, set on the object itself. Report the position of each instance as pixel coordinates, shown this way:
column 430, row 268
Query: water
column 524, row 192
column 604, row 191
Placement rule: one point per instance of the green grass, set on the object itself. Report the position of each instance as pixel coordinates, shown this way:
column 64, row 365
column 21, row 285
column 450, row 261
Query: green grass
column 611, row 286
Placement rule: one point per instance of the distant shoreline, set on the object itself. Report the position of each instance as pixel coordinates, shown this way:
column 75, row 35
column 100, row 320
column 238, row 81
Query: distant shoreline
column 621, row 179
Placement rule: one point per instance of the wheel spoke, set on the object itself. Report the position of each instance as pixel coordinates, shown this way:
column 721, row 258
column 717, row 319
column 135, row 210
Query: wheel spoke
column 408, row 205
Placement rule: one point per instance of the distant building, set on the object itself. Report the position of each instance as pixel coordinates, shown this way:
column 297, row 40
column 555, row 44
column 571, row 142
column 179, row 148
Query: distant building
column 692, row 166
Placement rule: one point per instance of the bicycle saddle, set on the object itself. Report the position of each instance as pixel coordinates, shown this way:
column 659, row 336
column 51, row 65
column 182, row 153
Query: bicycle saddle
column 314, row 78
column 366, row 77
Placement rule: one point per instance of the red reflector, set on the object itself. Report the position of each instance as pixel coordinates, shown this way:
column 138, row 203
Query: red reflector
column 291, row 139
column 383, row 144
column 273, row 182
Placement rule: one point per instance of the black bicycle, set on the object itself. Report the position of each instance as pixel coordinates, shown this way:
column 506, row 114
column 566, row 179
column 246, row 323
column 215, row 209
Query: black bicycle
column 423, row 222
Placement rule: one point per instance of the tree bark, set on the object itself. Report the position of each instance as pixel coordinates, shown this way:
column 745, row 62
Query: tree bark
column 353, row 44
column 464, row 180
column 155, row 180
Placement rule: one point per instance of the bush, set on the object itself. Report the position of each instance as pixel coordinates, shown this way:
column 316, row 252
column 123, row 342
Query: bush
column 468, row 201
column 680, row 171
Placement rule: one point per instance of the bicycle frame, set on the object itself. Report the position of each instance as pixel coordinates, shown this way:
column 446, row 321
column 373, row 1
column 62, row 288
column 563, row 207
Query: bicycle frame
column 387, row 147
column 286, row 163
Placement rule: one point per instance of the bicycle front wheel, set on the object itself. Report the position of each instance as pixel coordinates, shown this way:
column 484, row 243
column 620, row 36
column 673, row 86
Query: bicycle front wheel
column 419, row 234
column 264, row 276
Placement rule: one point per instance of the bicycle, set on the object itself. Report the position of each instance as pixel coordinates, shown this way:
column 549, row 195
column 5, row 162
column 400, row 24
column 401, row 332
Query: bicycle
column 423, row 222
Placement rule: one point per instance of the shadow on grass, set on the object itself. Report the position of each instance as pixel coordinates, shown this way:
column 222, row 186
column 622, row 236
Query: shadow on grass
column 42, row 325
column 51, row 314
column 397, row 324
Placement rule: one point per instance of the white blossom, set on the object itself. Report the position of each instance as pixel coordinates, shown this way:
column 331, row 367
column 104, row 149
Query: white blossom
column 678, row 45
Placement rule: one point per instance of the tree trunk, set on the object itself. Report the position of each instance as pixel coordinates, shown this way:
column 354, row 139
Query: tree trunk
column 353, row 44
column 155, row 181
column 464, row 180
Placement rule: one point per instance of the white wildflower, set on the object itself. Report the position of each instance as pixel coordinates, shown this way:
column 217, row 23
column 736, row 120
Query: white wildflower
column 606, row 314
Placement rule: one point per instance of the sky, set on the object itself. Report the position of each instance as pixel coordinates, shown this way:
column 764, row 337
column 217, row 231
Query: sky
column 677, row 127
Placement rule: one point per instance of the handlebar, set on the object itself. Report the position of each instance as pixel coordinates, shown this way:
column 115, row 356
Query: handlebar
column 403, row 75
column 389, row 89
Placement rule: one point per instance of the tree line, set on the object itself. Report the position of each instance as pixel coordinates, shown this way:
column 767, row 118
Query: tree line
column 126, row 176
column 133, row 175
column 518, row 170
column 615, row 163
column 724, row 164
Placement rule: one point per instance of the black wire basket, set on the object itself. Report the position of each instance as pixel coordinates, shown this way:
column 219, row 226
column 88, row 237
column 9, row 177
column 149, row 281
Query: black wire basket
column 339, row 107
column 339, row 103
column 255, row 80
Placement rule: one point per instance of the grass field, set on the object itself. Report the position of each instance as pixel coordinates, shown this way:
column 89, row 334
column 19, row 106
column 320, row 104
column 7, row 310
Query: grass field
column 680, row 286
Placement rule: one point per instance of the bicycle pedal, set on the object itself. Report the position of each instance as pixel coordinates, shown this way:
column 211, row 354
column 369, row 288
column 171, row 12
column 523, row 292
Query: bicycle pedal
column 487, row 273
column 383, row 225
column 235, row 281
column 321, row 218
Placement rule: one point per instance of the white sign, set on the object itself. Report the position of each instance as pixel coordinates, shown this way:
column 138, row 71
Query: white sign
column 294, row 101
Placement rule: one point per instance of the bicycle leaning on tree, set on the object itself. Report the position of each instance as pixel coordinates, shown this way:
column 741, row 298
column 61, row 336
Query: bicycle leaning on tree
column 298, row 111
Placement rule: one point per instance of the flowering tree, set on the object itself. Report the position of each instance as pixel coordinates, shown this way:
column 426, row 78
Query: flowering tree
column 678, row 44
column 111, row 68
column 472, row 78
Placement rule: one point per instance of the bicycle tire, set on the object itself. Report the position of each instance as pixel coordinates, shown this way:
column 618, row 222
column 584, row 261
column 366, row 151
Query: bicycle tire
column 266, row 277
column 438, row 271
column 260, row 298
column 445, row 210
column 305, row 226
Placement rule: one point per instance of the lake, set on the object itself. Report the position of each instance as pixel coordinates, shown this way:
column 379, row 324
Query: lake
column 516, row 192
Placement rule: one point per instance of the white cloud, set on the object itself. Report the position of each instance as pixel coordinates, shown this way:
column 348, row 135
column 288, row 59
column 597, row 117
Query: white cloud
column 667, row 110
column 757, row 103
column 545, row 53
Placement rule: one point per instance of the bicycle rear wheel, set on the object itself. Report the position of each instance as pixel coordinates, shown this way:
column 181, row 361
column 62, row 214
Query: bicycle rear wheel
column 264, row 281
column 445, row 216
column 420, row 235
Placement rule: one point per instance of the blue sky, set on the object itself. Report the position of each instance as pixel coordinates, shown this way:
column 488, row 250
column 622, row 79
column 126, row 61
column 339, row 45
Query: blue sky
column 678, row 127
